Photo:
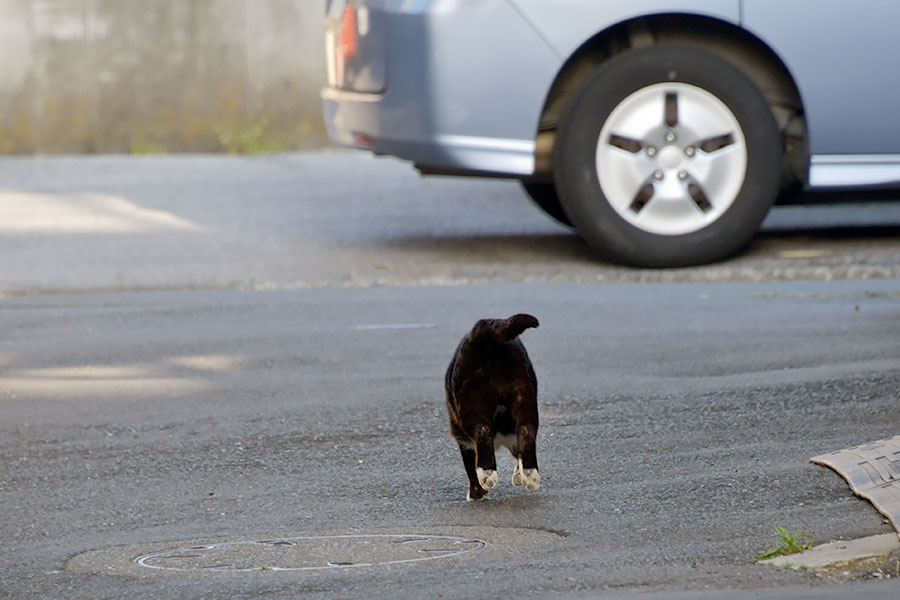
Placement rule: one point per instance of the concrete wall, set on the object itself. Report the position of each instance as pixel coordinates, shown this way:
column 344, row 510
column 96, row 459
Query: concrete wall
column 160, row 75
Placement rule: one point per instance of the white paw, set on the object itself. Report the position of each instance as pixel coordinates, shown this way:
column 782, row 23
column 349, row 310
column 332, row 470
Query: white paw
column 532, row 479
column 487, row 478
column 517, row 478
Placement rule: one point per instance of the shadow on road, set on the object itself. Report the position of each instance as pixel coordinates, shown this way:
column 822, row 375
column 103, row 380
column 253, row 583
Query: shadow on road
column 568, row 248
column 872, row 223
column 545, row 247
column 870, row 233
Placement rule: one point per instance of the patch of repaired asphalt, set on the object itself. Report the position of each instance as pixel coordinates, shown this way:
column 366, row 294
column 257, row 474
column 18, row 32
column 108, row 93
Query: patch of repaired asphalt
column 319, row 552
column 873, row 472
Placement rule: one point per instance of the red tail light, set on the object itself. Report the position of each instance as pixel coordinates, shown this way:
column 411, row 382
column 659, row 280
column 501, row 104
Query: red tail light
column 348, row 32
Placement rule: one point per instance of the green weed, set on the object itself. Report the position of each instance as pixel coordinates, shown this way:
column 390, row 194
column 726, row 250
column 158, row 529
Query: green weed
column 789, row 544
column 251, row 138
column 146, row 145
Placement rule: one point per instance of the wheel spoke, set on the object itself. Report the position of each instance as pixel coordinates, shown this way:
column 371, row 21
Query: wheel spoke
column 632, row 173
column 670, row 201
column 711, row 171
column 699, row 197
column 717, row 142
column 671, row 109
column 625, row 143
column 642, row 198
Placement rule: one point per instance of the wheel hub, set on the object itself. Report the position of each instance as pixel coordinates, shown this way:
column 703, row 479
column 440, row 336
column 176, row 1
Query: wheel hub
column 671, row 158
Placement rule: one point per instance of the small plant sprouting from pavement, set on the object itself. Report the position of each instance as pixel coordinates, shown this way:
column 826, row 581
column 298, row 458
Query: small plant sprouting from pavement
column 789, row 544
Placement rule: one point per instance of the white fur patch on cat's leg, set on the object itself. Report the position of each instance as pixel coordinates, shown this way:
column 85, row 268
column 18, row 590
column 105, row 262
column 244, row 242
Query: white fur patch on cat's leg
column 517, row 478
column 531, row 478
column 487, row 478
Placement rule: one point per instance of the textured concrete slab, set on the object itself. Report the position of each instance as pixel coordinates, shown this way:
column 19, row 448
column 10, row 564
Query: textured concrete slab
column 873, row 472
column 841, row 554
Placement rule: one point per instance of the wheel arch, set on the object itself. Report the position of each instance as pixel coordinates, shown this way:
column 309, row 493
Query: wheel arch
column 746, row 52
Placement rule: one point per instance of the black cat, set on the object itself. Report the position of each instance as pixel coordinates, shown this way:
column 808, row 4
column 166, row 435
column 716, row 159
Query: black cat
column 492, row 401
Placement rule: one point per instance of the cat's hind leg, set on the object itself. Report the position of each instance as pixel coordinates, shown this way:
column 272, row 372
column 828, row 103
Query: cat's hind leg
column 517, row 477
column 526, row 465
column 467, row 451
column 476, row 492
column 485, row 461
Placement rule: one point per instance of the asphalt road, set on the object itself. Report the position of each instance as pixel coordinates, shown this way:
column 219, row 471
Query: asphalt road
column 342, row 218
column 188, row 360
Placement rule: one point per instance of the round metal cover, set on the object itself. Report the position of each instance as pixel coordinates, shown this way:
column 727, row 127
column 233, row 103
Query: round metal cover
column 321, row 552
column 310, row 553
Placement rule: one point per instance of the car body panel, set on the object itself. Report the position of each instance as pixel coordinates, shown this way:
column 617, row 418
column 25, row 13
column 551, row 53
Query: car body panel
column 433, row 115
column 854, row 170
column 465, row 81
column 835, row 59
column 849, row 109
column 568, row 24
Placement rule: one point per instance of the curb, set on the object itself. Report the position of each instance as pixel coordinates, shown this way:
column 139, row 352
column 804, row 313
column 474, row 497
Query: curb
column 842, row 555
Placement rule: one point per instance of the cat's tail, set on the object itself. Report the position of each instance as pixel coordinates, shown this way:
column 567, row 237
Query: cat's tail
column 515, row 325
column 505, row 330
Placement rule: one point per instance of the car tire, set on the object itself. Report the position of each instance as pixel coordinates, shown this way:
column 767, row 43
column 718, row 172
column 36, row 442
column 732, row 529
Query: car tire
column 668, row 156
column 544, row 196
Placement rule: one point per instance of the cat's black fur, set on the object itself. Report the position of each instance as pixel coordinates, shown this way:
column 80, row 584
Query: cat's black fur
column 492, row 401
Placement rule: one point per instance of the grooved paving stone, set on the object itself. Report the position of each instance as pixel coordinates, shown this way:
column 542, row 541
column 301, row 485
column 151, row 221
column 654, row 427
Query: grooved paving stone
column 873, row 472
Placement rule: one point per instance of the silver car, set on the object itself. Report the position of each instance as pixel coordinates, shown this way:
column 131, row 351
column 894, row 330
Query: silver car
column 662, row 130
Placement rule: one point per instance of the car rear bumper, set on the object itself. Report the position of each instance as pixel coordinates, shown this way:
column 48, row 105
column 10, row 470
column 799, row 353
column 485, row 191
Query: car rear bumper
column 365, row 121
column 458, row 94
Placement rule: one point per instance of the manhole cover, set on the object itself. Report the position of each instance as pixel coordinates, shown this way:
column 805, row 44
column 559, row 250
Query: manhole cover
column 310, row 553
column 322, row 552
